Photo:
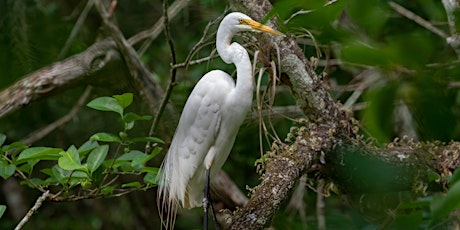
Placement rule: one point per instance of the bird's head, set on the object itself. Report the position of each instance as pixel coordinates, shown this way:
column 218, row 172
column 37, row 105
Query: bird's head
column 237, row 22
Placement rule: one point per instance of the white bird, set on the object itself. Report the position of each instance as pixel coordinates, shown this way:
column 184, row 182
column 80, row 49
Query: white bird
column 208, row 125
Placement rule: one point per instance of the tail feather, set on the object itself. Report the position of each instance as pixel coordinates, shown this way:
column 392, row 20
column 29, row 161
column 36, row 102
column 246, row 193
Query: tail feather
column 166, row 202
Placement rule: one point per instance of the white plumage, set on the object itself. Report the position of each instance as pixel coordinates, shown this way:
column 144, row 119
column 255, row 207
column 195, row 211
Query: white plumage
column 209, row 123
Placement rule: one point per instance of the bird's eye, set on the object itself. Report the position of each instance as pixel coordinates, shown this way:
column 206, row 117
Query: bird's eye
column 241, row 21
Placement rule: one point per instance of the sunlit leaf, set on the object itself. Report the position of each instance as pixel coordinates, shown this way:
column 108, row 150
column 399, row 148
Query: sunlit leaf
column 70, row 160
column 106, row 104
column 124, row 100
column 105, row 137
column 40, row 153
column 97, row 157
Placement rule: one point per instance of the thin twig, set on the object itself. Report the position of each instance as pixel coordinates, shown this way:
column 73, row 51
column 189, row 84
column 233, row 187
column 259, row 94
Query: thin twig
column 36, row 206
column 172, row 79
column 320, row 205
column 155, row 30
column 417, row 19
column 76, row 28
column 39, row 134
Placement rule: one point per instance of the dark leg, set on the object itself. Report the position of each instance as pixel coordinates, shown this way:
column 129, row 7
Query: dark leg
column 208, row 203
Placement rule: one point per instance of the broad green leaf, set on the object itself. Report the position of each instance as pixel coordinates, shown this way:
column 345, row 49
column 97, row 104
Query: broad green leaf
column 455, row 177
column 2, row 210
column 96, row 157
column 40, row 153
column 86, row 147
column 14, row 148
column 135, row 184
column 105, row 137
column 62, row 176
column 150, row 178
column 150, row 170
column 141, row 159
column 147, row 139
column 6, row 170
column 2, row 138
column 129, row 117
column 124, row 100
column 156, row 151
column 106, row 104
column 129, row 156
column 70, row 160
column 108, row 190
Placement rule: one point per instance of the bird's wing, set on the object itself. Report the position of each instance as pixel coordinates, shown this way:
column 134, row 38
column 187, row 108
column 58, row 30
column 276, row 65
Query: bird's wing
column 195, row 134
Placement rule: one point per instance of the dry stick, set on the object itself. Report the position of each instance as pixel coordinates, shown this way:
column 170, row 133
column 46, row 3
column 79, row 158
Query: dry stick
column 36, row 206
column 410, row 15
column 172, row 79
column 39, row 134
column 76, row 28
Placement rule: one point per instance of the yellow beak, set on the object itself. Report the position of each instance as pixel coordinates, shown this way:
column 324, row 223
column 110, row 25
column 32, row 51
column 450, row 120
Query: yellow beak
column 260, row 27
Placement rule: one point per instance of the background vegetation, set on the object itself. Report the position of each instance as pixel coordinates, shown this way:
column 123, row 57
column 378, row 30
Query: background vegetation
column 397, row 75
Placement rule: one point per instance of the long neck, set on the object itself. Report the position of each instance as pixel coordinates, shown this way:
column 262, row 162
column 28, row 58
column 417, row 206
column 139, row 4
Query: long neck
column 236, row 54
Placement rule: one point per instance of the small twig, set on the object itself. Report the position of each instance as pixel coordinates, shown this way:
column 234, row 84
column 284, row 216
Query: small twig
column 113, row 6
column 194, row 62
column 201, row 43
column 155, row 30
column 320, row 206
column 417, row 19
column 39, row 134
column 36, row 206
column 76, row 28
column 172, row 79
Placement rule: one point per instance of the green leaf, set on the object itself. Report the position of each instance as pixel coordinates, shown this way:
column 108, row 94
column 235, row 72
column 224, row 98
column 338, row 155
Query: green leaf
column 106, row 104
column 108, row 190
column 97, row 157
column 40, row 153
column 156, row 151
column 86, row 147
column 2, row 210
column 105, row 137
column 150, row 178
column 70, row 160
column 2, row 138
column 147, row 139
column 135, row 184
column 124, row 100
column 6, row 170
column 455, row 177
column 443, row 205
column 150, row 170
column 130, row 118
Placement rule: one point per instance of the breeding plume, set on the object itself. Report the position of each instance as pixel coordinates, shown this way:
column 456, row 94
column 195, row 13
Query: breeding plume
column 208, row 125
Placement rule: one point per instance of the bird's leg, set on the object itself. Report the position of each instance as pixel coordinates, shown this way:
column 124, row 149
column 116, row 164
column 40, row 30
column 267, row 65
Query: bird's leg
column 207, row 202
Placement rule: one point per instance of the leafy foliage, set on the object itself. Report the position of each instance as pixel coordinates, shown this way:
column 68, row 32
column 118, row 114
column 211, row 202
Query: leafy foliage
column 84, row 172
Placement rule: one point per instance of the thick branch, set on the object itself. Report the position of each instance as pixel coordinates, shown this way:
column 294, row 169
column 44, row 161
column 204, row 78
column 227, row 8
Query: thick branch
column 57, row 77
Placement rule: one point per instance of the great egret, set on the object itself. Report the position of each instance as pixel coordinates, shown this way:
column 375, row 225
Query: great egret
column 208, row 125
